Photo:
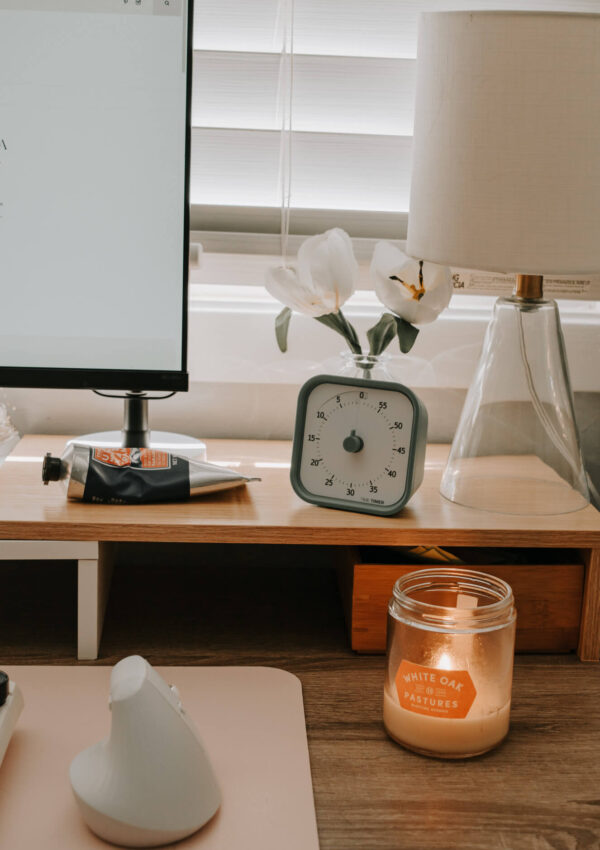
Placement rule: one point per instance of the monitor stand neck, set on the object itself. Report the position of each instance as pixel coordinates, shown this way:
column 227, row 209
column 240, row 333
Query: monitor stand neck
column 136, row 433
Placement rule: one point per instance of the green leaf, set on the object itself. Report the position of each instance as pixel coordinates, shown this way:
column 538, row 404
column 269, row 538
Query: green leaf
column 407, row 334
column 339, row 323
column 352, row 337
column 333, row 321
column 282, row 323
column 381, row 334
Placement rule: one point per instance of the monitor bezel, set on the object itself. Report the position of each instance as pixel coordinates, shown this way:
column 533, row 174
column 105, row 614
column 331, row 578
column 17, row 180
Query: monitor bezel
column 135, row 380
column 43, row 377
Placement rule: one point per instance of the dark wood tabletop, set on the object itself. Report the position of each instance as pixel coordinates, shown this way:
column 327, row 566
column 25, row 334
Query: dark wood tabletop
column 279, row 606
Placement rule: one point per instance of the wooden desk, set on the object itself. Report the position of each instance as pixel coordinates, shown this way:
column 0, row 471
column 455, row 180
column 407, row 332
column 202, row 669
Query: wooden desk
column 38, row 522
column 536, row 792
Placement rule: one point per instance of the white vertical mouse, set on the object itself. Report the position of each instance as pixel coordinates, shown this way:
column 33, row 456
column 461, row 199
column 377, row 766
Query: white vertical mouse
column 11, row 706
column 150, row 782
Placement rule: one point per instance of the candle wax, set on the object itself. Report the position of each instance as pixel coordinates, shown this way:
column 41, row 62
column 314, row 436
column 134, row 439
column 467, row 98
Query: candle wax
column 452, row 737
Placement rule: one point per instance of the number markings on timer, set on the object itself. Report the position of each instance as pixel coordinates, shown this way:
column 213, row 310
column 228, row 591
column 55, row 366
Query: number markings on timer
column 354, row 444
column 359, row 444
column 323, row 418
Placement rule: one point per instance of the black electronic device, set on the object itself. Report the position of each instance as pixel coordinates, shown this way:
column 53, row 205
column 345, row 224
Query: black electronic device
column 94, row 174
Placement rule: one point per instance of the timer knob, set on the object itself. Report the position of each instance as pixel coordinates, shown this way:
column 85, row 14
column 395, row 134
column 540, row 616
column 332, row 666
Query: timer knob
column 353, row 443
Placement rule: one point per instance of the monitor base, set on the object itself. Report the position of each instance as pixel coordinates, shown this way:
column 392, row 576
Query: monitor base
column 136, row 433
column 165, row 441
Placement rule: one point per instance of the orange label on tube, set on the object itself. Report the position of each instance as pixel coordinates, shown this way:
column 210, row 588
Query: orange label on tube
column 152, row 459
column 434, row 692
column 113, row 457
column 144, row 458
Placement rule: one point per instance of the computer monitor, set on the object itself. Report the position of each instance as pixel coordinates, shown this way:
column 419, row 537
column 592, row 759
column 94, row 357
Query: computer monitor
column 94, row 172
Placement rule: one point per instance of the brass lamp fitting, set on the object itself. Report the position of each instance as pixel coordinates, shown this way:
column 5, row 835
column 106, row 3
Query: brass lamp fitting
column 529, row 286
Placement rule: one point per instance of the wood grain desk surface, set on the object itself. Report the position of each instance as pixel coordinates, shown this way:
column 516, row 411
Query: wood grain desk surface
column 236, row 605
column 267, row 511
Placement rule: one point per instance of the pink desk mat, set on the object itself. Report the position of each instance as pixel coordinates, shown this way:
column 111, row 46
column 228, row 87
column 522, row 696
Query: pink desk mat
column 251, row 720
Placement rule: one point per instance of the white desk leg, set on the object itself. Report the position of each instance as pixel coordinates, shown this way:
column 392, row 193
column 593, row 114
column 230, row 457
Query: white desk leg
column 93, row 586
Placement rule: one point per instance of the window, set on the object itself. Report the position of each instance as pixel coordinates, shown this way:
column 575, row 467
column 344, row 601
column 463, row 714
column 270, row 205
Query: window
column 352, row 112
column 353, row 97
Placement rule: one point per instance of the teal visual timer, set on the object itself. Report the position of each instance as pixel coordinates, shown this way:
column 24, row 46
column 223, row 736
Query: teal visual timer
column 359, row 445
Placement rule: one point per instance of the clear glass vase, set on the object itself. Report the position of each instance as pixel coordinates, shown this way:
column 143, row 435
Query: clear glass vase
column 403, row 369
column 516, row 449
column 375, row 367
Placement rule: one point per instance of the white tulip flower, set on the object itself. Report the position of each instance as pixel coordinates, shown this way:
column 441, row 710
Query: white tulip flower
column 323, row 278
column 412, row 289
column 284, row 285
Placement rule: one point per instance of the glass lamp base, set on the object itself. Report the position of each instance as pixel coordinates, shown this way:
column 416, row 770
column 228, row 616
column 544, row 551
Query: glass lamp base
column 516, row 449
column 510, row 494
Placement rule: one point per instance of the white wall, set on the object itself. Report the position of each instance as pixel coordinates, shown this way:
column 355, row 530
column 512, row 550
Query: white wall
column 243, row 387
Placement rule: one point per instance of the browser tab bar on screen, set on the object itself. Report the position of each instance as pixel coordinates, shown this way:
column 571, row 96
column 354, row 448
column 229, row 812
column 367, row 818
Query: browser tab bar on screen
column 171, row 8
column 167, row 7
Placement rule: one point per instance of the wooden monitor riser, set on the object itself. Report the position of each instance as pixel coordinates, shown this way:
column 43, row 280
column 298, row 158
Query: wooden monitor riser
column 38, row 522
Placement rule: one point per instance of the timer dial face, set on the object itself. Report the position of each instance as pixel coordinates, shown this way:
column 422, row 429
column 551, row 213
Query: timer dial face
column 355, row 444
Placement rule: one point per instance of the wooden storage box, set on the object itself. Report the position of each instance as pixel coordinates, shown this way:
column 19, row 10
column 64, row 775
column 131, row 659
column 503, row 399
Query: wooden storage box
column 548, row 585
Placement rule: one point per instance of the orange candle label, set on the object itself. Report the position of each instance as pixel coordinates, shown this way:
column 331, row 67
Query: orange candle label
column 434, row 692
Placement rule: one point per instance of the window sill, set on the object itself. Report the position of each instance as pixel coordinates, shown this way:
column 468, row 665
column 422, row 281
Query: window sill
column 232, row 340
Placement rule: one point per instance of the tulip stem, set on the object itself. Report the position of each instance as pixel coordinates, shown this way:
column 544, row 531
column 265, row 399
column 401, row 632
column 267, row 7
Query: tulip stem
column 339, row 323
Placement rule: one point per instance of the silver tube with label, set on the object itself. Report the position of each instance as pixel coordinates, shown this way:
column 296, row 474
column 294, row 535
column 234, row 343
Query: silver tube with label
column 134, row 476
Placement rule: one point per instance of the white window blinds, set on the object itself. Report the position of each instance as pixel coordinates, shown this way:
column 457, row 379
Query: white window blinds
column 352, row 113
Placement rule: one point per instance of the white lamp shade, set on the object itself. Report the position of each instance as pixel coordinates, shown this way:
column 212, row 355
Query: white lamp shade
column 506, row 161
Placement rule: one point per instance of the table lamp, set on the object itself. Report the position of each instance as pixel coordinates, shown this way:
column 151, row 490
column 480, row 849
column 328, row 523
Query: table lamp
column 506, row 178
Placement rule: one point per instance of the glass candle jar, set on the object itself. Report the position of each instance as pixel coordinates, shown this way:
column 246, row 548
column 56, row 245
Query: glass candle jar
column 450, row 648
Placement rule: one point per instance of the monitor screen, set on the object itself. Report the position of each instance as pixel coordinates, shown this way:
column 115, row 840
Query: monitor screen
column 94, row 163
